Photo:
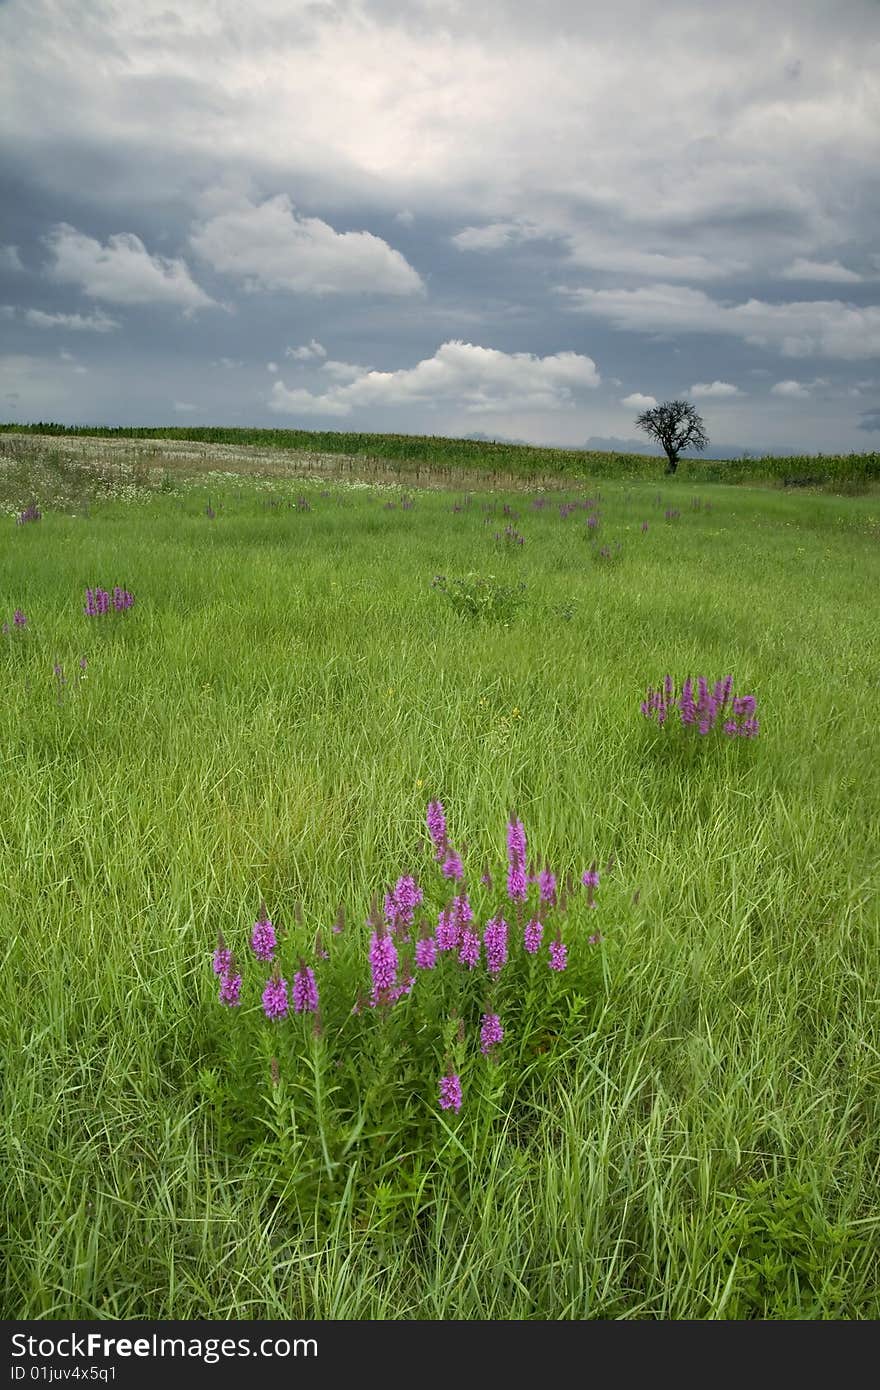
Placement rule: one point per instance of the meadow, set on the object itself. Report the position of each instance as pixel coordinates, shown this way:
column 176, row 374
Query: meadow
column 681, row 1117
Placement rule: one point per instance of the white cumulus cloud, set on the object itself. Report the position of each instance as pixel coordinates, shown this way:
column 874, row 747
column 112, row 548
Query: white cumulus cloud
column 795, row 390
column 636, row 401
column 480, row 380
column 123, row 271
column 271, row 247
column 718, row 389
column 343, row 371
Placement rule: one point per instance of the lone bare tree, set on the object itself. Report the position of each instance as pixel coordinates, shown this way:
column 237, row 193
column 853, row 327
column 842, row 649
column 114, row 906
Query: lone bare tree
column 676, row 426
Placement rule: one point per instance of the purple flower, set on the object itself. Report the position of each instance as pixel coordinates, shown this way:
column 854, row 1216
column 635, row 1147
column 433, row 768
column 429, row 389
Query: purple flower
column 398, row 991
column 222, row 963
column 517, row 887
column 750, row 728
column 400, row 904
column 486, row 879
column 275, row 1005
column 383, row 965
column 97, row 602
column 469, row 951
column 448, row 930
column 590, row 877
column 19, row 619
column 452, row 866
column 686, row 703
column 491, row 1033
column 450, row 1092
column 263, row 941
column 305, row 991
column 436, row 821
column 731, row 728
column 558, row 955
column 516, row 842
column 230, row 989
column 744, row 704
column 426, row 953
column 644, row 526
column 532, row 936
column 407, row 895
column 495, row 942
column 547, row 887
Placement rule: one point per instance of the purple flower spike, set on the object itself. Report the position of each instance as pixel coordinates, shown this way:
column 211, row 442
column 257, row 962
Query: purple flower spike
column 275, row 1003
column 230, row 989
column 469, row 951
column 516, row 842
column 408, row 896
column 383, row 966
column 517, row 885
column 263, row 940
column 305, row 991
column 452, row 866
column 491, row 1033
column 547, row 887
column 436, row 821
column 558, row 955
column 222, row 962
column 426, row 953
column 533, row 936
column 450, row 1092
column 495, row 942
column 448, row 930
column 18, row 618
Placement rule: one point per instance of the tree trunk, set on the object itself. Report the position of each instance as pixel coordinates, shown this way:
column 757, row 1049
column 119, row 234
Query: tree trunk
column 672, row 464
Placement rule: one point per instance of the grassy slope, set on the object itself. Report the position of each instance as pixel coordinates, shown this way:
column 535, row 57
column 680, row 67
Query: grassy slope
column 692, row 1134
column 491, row 460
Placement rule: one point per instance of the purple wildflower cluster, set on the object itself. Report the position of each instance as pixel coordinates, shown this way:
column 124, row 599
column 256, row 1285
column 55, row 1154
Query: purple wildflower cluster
column 31, row 513
column 230, row 977
column 263, row 938
column 276, row 996
column 98, row 601
column 404, row 947
column 510, row 537
column 704, row 708
column 19, row 623
column 450, row 1092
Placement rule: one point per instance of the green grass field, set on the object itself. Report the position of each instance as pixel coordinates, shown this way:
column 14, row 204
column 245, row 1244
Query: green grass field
column 683, row 1124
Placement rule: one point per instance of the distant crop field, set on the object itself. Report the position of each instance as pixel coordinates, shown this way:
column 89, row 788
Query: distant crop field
column 496, row 462
column 403, row 914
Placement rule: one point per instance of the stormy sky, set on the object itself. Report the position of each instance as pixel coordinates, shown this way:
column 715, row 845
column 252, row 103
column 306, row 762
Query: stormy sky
column 429, row 216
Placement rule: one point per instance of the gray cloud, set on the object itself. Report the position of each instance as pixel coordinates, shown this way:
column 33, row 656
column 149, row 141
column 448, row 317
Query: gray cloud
column 828, row 328
column 272, row 247
column 96, row 322
column 122, row 272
